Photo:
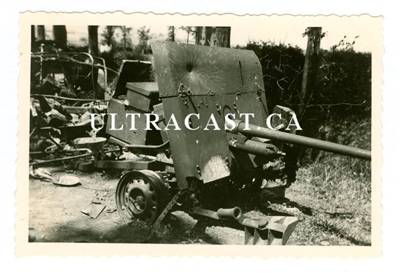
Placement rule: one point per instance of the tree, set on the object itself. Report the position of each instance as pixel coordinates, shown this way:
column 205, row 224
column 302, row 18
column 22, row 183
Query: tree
column 93, row 40
column 126, row 32
column 144, row 37
column 32, row 35
column 108, row 36
column 119, row 43
column 60, row 34
column 189, row 31
column 213, row 36
column 310, row 66
column 41, row 33
column 171, row 34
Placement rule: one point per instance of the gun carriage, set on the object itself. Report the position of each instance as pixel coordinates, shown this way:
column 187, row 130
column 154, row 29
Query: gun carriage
column 194, row 158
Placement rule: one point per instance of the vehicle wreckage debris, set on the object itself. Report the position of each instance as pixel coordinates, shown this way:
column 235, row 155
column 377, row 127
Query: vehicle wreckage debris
column 94, row 210
column 67, row 181
column 40, row 173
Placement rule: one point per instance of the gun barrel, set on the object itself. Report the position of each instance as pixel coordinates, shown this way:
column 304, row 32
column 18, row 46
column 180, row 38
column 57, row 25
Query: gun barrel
column 258, row 131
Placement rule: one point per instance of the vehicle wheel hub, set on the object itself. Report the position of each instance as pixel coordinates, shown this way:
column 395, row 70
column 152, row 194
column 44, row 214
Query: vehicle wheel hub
column 141, row 195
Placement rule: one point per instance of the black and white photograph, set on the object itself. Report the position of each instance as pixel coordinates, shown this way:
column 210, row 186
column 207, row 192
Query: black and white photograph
column 201, row 132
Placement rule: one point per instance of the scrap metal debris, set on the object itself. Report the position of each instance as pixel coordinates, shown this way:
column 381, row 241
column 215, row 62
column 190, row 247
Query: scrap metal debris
column 67, row 181
column 94, row 210
column 66, row 88
column 40, row 173
column 57, row 69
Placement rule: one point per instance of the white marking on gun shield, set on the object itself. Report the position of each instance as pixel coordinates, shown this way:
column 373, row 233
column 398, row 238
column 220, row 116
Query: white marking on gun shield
column 215, row 168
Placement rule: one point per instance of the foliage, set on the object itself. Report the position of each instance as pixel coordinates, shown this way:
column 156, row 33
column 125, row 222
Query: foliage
column 120, row 46
column 344, row 83
column 171, row 34
column 344, row 44
column 144, row 37
column 343, row 80
column 108, row 36
column 282, row 67
column 189, row 30
column 340, row 100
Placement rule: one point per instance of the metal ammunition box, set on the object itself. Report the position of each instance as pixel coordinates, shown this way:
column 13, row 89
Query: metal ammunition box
column 137, row 136
column 142, row 95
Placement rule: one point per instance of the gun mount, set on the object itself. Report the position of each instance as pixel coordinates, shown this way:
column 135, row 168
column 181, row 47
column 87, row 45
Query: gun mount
column 201, row 144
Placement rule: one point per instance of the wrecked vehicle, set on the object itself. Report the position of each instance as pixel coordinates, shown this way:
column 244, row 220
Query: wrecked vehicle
column 66, row 86
column 58, row 70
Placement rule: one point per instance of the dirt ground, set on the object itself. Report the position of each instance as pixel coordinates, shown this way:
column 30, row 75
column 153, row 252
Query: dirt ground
column 57, row 214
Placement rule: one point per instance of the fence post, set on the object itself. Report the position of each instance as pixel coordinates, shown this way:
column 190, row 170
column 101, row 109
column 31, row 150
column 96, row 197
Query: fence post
column 310, row 67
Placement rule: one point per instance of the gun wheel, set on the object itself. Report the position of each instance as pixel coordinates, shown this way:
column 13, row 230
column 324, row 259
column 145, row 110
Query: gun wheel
column 141, row 195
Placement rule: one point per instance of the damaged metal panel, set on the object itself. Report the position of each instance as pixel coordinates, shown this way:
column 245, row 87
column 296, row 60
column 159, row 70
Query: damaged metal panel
column 132, row 71
column 206, row 81
column 120, row 110
column 142, row 95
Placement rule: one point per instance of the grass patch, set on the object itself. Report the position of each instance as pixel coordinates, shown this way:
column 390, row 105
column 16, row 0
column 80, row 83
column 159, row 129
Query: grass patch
column 338, row 189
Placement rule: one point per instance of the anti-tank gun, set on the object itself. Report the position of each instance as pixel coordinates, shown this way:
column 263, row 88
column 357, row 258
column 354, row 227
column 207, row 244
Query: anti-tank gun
column 204, row 125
